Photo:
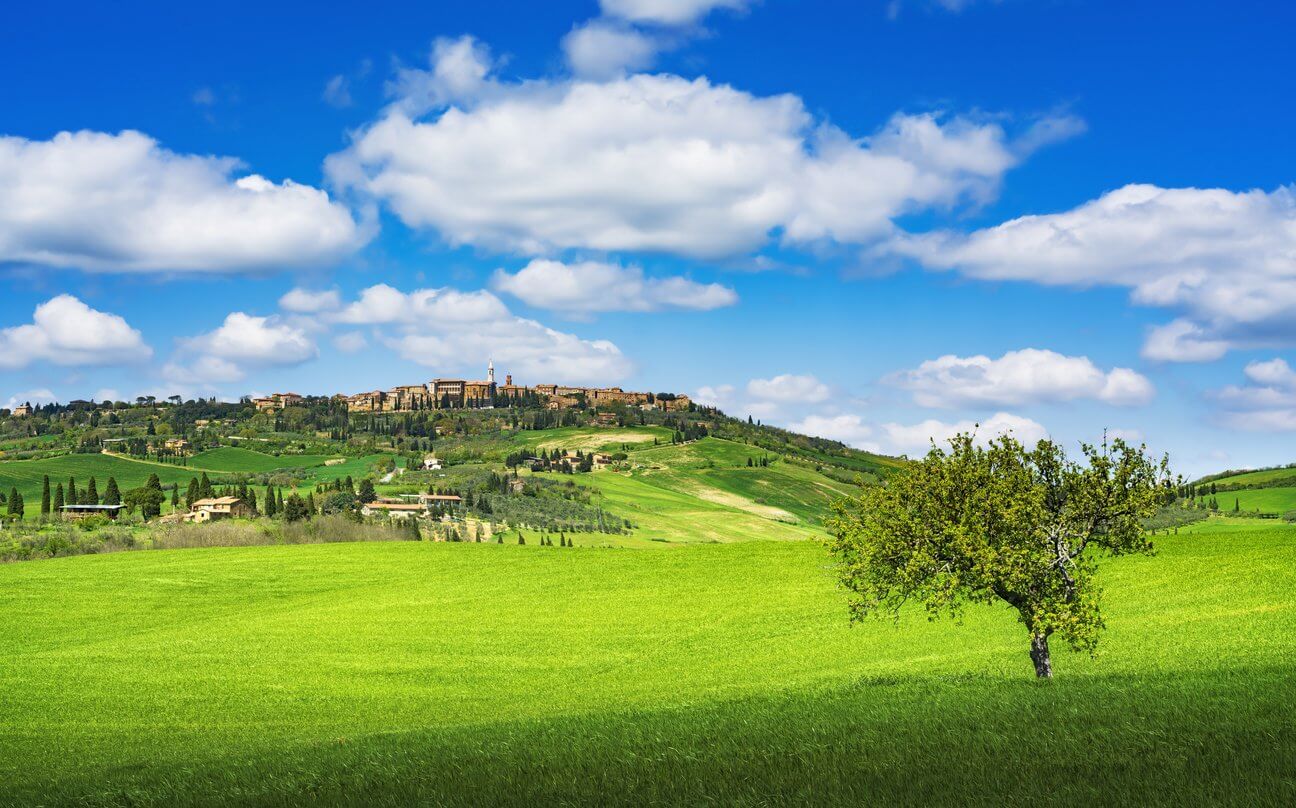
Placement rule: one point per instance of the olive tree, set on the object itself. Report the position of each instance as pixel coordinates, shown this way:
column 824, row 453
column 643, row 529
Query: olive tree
column 999, row 522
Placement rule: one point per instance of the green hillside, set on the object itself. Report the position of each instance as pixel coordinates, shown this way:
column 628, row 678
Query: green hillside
column 235, row 458
column 1265, row 500
column 27, row 475
column 463, row 674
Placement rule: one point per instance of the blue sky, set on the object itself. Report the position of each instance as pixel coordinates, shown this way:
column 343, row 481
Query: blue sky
column 806, row 211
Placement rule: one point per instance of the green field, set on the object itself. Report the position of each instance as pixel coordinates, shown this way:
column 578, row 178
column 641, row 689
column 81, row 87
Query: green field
column 27, row 475
column 1265, row 500
column 1256, row 477
column 402, row 673
column 236, row 458
column 592, row 438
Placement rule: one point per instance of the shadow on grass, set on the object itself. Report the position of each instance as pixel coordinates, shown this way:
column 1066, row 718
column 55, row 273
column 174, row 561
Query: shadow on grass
column 1212, row 737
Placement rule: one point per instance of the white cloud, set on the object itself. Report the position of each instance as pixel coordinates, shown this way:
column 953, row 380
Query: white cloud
column 599, row 50
column 457, row 73
column 1182, row 340
column 719, row 396
column 460, row 331
column 36, row 397
column 445, row 307
column 350, row 342
column 666, row 12
column 649, row 162
column 65, row 331
column 337, row 92
column 1267, row 404
column 260, row 340
column 243, row 342
column 306, row 301
column 1027, row 376
column 917, row 438
column 1226, row 259
column 914, row 439
column 789, row 388
column 594, row 286
column 122, row 203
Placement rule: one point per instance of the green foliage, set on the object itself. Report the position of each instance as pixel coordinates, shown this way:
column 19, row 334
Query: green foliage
column 999, row 523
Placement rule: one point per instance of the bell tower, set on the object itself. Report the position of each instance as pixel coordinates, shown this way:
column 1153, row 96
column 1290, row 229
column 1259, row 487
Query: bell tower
column 490, row 371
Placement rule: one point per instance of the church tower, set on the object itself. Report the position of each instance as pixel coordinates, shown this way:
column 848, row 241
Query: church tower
column 490, row 371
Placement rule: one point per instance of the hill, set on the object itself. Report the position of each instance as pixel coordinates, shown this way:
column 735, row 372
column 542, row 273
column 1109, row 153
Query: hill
column 466, row 674
column 28, row 475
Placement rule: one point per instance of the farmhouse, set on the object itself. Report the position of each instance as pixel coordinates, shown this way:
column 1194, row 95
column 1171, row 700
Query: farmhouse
column 177, row 445
column 78, row 512
column 22, row 410
column 396, row 510
column 216, row 508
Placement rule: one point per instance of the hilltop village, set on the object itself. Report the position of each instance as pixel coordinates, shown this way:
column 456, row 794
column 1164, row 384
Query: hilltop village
column 446, row 394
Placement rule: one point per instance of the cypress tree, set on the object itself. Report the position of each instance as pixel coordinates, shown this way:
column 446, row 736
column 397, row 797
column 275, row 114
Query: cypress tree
column 92, row 492
column 192, row 494
column 13, row 500
column 72, row 492
column 269, row 501
column 204, row 487
column 45, row 497
column 175, row 497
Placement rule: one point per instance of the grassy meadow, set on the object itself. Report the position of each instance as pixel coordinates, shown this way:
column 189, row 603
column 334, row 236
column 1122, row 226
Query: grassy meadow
column 28, row 475
column 474, row 674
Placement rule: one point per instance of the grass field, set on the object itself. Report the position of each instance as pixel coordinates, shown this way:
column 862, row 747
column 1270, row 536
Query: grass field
column 236, row 458
column 1265, row 500
column 392, row 674
column 716, row 471
column 27, row 475
column 592, row 439
column 1257, row 477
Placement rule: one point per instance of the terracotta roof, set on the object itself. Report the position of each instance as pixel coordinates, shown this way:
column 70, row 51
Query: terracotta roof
column 217, row 501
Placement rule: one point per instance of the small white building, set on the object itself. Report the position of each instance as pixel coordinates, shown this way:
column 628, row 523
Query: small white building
column 430, row 463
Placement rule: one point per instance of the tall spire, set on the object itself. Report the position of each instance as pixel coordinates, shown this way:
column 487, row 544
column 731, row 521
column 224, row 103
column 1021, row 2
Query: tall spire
column 490, row 371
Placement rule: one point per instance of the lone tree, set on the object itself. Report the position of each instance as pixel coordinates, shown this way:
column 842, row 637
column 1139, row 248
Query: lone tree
column 999, row 523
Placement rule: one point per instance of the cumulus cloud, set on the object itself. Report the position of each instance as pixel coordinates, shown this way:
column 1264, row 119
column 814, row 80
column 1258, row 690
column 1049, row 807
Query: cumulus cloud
column 243, row 342
column 1027, row 376
column 306, row 301
column 449, row 329
column 1225, row 259
column 595, row 286
column 1266, row 403
column 65, row 331
column 916, row 438
column 649, row 162
column 599, row 50
column 122, row 203
column 666, row 12
column 719, row 396
column 789, row 388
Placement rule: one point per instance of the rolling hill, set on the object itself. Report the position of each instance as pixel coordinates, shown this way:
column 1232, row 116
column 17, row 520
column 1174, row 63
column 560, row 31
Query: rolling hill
column 28, row 475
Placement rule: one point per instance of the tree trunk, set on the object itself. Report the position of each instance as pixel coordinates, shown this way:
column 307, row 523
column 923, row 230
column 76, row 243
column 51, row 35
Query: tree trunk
column 1039, row 654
